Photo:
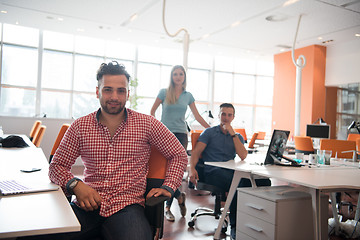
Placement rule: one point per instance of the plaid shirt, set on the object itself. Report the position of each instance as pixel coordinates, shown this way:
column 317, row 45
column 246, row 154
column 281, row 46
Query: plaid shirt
column 117, row 167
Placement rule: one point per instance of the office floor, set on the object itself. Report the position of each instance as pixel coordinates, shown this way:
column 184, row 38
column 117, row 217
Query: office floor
column 205, row 226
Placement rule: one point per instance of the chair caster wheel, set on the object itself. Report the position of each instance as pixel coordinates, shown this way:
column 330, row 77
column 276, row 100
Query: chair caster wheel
column 223, row 230
column 192, row 214
column 191, row 224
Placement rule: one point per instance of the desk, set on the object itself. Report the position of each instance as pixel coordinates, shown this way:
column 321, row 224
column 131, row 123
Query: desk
column 35, row 213
column 313, row 180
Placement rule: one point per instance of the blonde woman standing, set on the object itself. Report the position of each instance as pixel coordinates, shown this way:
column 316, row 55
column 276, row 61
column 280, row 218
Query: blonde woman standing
column 175, row 100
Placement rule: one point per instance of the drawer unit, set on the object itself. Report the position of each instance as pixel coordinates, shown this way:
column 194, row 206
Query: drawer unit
column 279, row 213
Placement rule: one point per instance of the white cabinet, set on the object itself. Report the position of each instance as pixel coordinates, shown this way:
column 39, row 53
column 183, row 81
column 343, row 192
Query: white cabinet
column 279, row 212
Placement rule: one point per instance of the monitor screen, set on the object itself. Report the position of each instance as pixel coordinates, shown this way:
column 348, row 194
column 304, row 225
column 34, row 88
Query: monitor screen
column 318, row 130
column 277, row 145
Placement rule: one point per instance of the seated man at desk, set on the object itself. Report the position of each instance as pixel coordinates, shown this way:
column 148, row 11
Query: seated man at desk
column 220, row 144
column 114, row 145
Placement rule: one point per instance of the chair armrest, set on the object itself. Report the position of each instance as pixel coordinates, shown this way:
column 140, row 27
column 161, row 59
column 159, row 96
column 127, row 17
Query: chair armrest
column 155, row 200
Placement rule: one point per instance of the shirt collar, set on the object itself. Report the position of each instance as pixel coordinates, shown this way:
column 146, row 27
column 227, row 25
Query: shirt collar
column 99, row 112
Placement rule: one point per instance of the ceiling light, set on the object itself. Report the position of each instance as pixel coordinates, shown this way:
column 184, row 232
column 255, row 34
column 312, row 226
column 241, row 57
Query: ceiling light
column 60, row 19
column 205, row 36
column 319, row 38
column 357, row 35
column 133, row 17
column 235, row 24
column 276, row 18
column 289, row 2
column 3, row 11
column 327, row 41
column 282, row 50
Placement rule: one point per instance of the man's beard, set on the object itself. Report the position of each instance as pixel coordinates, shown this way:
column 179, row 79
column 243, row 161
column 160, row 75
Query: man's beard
column 114, row 110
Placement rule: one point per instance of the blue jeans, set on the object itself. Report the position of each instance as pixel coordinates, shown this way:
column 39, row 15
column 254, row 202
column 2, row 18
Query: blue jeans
column 183, row 139
column 129, row 223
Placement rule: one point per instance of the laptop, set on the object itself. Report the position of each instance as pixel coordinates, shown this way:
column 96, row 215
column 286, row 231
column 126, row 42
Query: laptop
column 276, row 149
column 10, row 187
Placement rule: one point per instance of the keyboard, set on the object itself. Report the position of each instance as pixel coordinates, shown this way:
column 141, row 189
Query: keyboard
column 12, row 187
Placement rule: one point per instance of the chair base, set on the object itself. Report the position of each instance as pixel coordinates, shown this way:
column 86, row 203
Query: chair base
column 203, row 211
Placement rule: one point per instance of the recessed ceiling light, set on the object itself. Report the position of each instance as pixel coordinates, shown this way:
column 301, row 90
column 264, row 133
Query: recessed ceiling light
column 205, row 36
column 3, row 11
column 357, row 35
column 276, row 18
column 133, row 17
column 327, row 41
column 320, row 38
column 235, row 24
column 17, row 23
column 60, row 19
column 282, row 50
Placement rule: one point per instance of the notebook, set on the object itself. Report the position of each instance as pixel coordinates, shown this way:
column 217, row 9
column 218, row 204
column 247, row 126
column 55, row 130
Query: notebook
column 8, row 187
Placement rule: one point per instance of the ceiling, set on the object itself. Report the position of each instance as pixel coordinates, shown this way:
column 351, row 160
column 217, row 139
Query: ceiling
column 227, row 27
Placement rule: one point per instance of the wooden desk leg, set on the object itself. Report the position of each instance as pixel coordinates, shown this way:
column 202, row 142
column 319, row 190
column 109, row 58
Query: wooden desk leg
column 230, row 196
column 315, row 197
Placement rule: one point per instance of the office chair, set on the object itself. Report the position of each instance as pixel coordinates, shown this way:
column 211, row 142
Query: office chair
column 154, row 207
column 59, row 137
column 353, row 136
column 219, row 194
column 251, row 147
column 242, row 133
column 34, row 129
column 261, row 135
column 39, row 136
column 339, row 148
column 303, row 145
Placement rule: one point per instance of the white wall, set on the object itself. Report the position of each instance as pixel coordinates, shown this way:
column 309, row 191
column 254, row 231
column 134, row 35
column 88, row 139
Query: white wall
column 343, row 63
column 23, row 125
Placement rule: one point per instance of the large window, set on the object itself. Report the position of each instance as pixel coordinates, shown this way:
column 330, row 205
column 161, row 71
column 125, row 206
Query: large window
column 54, row 75
column 348, row 109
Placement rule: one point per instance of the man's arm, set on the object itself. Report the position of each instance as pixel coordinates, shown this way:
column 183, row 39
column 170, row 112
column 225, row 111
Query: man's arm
column 239, row 147
column 195, row 155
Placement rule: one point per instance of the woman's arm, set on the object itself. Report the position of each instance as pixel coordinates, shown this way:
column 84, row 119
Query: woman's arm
column 155, row 106
column 197, row 116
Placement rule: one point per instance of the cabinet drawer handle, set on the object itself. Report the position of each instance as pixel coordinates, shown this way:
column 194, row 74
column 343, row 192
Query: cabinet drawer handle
column 254, row 206
column 255, row 228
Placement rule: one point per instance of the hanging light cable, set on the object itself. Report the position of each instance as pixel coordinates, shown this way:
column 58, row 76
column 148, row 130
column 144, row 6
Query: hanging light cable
column 186, row 39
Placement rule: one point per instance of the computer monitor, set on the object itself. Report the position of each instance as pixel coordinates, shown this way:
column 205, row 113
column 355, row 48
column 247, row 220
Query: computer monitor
column 276, row 148
column 318, row 130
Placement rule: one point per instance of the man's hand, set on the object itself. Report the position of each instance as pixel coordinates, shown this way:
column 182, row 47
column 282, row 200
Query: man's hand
column 227, row 127
column 193, row 176
column 156, row 192
column 88, row 198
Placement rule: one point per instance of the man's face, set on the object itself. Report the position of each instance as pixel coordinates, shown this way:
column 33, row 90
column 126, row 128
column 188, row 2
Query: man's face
column 226, row 115
column 113, row 93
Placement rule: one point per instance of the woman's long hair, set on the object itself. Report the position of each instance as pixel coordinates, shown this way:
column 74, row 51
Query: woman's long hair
column 170, row 93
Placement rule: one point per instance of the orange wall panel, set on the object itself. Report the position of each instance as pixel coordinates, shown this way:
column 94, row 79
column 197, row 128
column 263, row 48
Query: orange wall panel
column 312, row 89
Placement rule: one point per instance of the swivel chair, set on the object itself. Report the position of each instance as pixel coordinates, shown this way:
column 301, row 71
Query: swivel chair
column 39, row 136
column 154, row 206
column 59, row 137
column 34, row 129
column 219, row 194
column 303, row 145
column 242, row 133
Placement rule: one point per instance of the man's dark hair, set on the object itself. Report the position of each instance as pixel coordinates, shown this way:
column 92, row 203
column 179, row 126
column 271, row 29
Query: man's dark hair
column 227, row 105
column 112, row 68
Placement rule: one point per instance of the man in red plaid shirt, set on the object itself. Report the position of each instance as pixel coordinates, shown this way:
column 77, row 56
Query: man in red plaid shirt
column 114, row 145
